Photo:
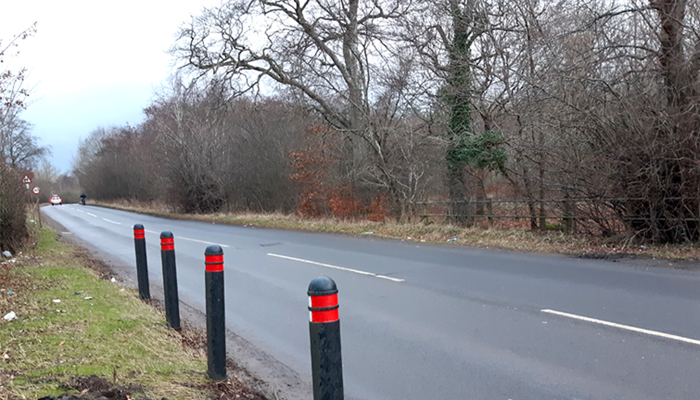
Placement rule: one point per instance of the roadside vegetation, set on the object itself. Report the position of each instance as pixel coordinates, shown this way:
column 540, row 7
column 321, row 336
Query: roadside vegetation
column 576, row 111
column 68, row 327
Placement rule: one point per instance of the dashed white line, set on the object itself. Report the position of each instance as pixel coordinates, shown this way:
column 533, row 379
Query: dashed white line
column 626, row 327
column 112, row 222
column 356, row 271
column 192, row 240
column 202, row 241
column 390, row 278
column 92, row 215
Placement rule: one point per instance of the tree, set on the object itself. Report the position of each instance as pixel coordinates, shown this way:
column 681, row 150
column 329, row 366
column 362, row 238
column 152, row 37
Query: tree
column 656, row 123
column 18, row 147
column 13, row 231
column 117, row 163
column 331, row 55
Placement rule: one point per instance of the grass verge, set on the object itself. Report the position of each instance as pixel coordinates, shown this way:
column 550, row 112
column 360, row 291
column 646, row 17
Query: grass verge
column 552, row 242
column 77, row 331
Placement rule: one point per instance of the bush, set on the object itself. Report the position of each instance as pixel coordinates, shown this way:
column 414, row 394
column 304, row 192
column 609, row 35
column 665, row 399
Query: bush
column 13, row 228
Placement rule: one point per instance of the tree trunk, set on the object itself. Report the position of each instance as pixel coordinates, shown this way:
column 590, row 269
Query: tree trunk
column 459, row 98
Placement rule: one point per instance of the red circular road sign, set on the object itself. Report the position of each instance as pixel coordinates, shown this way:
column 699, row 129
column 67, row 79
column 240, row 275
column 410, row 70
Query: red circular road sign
column 36, row 190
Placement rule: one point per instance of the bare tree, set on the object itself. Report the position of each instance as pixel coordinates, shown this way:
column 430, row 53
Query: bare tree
column 13, row 229
column 331, row 54
column 18, row 147
column 117, row 163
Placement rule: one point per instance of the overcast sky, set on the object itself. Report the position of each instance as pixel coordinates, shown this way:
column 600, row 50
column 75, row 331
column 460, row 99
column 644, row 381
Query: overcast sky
column 92, row 63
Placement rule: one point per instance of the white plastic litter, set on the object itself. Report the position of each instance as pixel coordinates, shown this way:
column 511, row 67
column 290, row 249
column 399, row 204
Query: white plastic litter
column 7, row 254
column 10, row 316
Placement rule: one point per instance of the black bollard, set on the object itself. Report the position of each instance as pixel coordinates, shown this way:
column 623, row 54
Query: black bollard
column 324, row 329
column 216, row 323
column 172, row 301
column 141, row 263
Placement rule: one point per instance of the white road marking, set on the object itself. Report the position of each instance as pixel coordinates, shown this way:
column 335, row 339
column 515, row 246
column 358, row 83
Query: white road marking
column 202, row 241
column 626, row 327
column 192, row 240
column 79, row 210
column 390, row 278
column 92, row 215
column 335, row 267
column 105, row 219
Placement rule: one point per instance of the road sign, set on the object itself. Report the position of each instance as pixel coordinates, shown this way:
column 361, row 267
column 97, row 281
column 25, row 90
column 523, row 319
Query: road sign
column 27, row 179
column 36, row 190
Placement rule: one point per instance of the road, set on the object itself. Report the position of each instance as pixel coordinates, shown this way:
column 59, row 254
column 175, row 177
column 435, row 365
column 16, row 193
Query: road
column 437, row 322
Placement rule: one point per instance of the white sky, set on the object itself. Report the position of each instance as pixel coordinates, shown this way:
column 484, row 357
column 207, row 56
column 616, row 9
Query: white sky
column 92, row 63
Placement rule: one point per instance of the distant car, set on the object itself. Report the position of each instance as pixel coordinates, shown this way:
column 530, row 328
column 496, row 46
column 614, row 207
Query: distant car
column 56, row 200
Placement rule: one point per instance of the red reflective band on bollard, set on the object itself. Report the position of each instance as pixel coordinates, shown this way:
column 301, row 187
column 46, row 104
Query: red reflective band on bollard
column 167, row 243
column 139, row 234
column 323, row 308
column 214, row 263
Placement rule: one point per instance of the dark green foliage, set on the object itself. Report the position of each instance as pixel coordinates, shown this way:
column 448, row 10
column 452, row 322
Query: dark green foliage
column 483, row 151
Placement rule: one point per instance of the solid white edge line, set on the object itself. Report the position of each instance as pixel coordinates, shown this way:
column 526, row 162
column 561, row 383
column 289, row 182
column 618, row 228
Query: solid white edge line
column 626, row 327
column 335, row 267
column 117, row 223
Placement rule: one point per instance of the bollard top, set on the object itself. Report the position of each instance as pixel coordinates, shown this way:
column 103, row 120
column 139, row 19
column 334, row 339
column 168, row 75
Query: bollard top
column 139, row 232
column 214, row 250
column 214, row 259
column 322, row 286
column 167, row 241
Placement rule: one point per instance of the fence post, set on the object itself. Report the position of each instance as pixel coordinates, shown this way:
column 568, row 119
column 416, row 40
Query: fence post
column 216, row 324
column 569, row 217
column 172, row 301
column 324, row 330
column 141, row 262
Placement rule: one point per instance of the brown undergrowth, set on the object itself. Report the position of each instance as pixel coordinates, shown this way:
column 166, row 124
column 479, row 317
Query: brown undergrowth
column 513, row 238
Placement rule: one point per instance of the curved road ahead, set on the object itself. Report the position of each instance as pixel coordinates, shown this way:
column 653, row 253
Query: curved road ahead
column 437, row 322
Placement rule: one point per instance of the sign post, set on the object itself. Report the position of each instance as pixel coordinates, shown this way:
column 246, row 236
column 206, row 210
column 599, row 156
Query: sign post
column 36, row 190
column 26, row 180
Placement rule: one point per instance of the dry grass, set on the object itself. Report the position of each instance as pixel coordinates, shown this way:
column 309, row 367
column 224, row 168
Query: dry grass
column 553, row 242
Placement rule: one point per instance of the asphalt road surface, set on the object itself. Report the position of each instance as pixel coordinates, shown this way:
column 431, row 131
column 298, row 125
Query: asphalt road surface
column 435, row 322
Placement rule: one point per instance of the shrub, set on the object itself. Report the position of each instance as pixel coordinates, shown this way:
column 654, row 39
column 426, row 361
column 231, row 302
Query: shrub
column 13, row 228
